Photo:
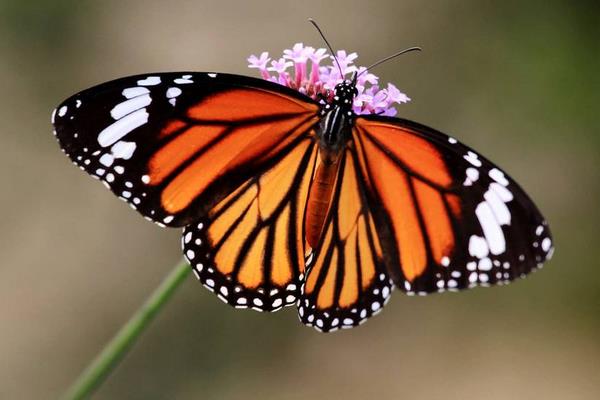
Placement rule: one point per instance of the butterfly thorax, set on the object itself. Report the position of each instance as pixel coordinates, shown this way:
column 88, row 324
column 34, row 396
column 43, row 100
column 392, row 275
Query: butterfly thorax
column 337, row 118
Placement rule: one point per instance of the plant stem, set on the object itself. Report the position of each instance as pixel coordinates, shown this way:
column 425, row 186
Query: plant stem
column 115, row 350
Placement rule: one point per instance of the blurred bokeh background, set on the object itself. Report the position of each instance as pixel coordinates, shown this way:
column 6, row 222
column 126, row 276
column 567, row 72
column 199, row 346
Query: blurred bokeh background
column 519, row 81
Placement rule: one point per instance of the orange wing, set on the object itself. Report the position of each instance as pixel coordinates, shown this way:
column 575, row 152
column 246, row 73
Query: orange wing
column 347, row 281
column 250, row 247
column 447, row 218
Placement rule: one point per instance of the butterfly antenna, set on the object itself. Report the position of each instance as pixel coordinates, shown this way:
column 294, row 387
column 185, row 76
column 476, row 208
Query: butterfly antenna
column 389, row 58
column 312, row 21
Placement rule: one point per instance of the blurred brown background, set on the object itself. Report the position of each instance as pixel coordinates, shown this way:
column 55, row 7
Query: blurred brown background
column 516, row 80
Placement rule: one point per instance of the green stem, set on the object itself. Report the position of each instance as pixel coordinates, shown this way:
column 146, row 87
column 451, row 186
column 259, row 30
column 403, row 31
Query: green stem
column 115, row 350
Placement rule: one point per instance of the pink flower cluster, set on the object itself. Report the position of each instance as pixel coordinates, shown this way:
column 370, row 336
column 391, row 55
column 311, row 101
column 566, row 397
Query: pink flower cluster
column 315, row 80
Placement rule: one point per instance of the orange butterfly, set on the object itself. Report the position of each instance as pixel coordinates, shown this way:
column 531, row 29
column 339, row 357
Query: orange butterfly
column 286, row 200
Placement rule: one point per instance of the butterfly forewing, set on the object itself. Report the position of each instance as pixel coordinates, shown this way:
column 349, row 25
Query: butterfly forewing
column 449, row 219
column 174, row 144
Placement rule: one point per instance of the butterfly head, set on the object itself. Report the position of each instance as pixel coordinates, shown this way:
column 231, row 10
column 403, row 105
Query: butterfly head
column 344, row 94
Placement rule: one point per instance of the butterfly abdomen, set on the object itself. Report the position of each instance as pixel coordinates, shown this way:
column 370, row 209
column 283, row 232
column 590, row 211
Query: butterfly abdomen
column 319, row 199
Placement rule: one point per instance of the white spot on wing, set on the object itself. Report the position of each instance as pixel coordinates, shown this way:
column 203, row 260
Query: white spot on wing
column 123, row 149
column 183, row 80
column 277, row 303
column 134, row 92
column 149, row 81
column 62, row 111
column 107, row 160
column 473, row 277
column 546, row 244
column 498, row 176
column 472, row 158
column 491, row 229
column 502, row 192
column 498, row 207
column 122, row 127
column 472, row 174
column 173, row 92
column 129, row 106
column 478, row 247
column 485, row 264
column 385, row 292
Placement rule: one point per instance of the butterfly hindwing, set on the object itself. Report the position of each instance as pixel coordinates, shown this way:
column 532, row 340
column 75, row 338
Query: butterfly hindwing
column 448, row 218
column 346, row 279
column 172, row 145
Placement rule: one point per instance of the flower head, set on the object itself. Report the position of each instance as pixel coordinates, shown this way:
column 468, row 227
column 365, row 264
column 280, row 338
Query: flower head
column 318, row 81
column 297, row 53
column 260, row 63
column 280, row 66
column 316, row 56
column 345, row 60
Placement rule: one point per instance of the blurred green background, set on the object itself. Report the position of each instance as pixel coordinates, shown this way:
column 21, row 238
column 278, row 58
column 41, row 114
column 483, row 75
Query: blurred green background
column 517, row 80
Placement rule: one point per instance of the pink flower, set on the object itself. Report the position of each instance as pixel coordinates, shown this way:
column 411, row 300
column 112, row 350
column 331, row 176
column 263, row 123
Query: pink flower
column 297, row 54
column 316, row 56
column 260, row 63
column 396, row 95
column 280, row 65
column 345, row 59
column 366, row 77
column 321, row 81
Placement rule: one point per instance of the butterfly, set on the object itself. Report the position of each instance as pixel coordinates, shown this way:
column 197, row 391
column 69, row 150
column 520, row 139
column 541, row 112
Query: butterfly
column 289, row 201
